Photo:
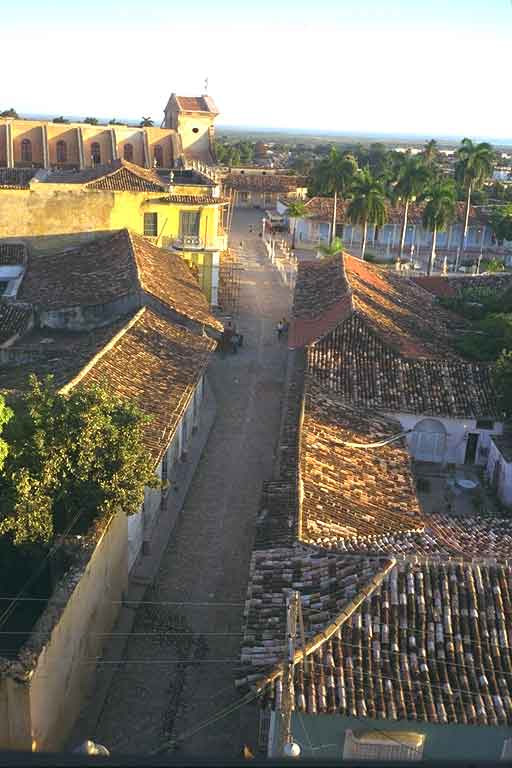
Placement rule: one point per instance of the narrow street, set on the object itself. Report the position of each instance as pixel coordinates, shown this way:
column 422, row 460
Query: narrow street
column 179, row 664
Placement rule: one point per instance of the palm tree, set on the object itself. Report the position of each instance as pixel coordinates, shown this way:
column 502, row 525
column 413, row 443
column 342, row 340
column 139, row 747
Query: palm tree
column 412, row 182
column 368, row 204
column 475, row 163
column 146, row 122
column 332, row 250
column 430, row 152
column 296, row 210
column 336, row 174
column 439, row 212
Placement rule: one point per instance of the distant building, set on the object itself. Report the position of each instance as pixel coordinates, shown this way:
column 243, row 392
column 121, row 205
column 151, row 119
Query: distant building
column 187, row 134
column 254, row 188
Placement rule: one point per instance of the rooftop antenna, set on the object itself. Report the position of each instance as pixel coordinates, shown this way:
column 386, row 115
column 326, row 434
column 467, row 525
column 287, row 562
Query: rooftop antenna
column 206, row 85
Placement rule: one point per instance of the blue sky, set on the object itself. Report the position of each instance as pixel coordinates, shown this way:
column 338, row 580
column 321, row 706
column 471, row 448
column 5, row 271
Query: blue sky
column 429, row 67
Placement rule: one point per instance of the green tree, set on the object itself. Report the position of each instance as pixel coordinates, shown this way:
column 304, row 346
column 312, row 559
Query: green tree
column 336, row 174
column 5, row 417
column 368, row 204
column 296, row 210
column 411, row 183
column 115, row 121
column 10, row 113
column 71, row 458
column 500, row 219
column 332, row 250
column 91, row 120
column 474, row 165
column 430, row 152
column 502, row 379
column 439, row 212
column 146, row 122
column 60, row 119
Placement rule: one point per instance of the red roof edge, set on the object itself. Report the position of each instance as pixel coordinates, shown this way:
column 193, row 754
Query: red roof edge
column 305, row 331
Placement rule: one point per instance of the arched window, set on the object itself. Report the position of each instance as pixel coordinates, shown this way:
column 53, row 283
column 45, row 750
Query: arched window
column 26, row 151
column 95, row 153
column 62, row 152
column 159, row 156
column 128, row 152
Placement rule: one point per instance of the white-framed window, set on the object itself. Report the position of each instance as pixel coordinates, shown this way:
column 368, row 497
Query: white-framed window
column 383, row 745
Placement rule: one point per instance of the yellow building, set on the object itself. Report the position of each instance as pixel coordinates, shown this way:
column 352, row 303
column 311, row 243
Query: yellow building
column 186, row 135
column 182, row 210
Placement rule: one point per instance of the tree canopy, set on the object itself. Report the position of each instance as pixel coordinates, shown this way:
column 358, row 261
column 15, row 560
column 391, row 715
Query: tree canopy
column 91, row 120
column 5, row 417
column 70, row 458
column 60, row 119
column 502, row 379
column 9, row 113
column 146, row 122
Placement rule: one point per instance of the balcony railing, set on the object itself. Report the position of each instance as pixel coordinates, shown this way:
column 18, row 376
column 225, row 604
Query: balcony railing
column 188, row 243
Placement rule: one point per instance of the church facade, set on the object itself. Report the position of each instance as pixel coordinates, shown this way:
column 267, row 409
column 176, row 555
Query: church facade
column 186, row 135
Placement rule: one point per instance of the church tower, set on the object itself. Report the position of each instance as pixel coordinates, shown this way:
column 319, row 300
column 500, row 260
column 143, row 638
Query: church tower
column 192, row 117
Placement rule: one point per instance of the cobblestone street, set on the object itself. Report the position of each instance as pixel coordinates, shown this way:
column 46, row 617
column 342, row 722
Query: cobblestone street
column 171, row 680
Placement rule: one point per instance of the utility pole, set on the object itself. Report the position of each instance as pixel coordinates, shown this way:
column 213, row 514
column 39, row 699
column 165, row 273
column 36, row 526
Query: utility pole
column 287, row 748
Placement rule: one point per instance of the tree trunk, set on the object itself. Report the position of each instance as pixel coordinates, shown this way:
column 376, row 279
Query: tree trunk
column 293, row 233
column 363, row 241
column 333, row 227
column 404, row 230
column 433, row 252
column 466, row 220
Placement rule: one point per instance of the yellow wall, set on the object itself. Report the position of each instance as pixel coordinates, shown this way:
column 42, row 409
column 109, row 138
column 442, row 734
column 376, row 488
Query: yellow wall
column 44, row 217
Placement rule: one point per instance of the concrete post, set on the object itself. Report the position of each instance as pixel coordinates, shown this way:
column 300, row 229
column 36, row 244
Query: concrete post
column 113, row 144
column 46, row 148
column 9, row 145
column 80, row 142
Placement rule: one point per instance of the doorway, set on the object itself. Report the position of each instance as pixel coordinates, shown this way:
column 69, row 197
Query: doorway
column 471, row 448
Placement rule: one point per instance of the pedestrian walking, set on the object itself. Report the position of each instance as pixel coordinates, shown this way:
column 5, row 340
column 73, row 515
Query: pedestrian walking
column 279, row 329
column 285, row 325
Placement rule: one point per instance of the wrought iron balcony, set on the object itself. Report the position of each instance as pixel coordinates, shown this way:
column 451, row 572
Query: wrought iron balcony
column 188, row 243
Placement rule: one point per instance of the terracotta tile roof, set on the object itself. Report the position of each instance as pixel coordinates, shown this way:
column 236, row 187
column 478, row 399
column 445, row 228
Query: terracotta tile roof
column 322, row 299
column 328, row 583
column 108, row 268
column 156, row 364
column 191, row 200
column 504, row 445
column 45, row 352
column 321, row 209
column 390, row 346
column 427, row 642
column 365, row 372
column 16, row 178
column 454, row 286
column 394, row 306
column 123, row 176
column 196, row 104
column 167, row 276
column 351, row 492
column 263, row 182
column 14, row 321
column 349, row 496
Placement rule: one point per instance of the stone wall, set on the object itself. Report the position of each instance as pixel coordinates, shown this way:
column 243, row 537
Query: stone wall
column 41, row 697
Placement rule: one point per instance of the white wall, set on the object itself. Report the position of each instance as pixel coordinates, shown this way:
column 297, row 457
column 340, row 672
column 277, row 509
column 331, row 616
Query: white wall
column 504, row 489
column 456, row 438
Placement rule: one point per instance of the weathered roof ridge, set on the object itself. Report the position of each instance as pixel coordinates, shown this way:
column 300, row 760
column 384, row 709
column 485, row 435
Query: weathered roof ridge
column 147, row 175
column 325, row 635
column 322, row 299
column 103, row 351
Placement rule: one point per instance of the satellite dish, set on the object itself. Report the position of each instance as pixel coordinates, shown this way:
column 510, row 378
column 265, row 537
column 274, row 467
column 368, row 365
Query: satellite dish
column 291, row 749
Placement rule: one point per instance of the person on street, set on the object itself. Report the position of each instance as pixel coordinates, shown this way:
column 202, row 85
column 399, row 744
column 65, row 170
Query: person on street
column 279, row 329
column 285, row 325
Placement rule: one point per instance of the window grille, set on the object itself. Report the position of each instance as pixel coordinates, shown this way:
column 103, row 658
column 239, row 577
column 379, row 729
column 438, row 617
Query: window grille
column 151, row 224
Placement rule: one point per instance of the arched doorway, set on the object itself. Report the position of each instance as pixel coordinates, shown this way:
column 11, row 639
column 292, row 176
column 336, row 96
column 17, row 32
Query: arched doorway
column 428, row 441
